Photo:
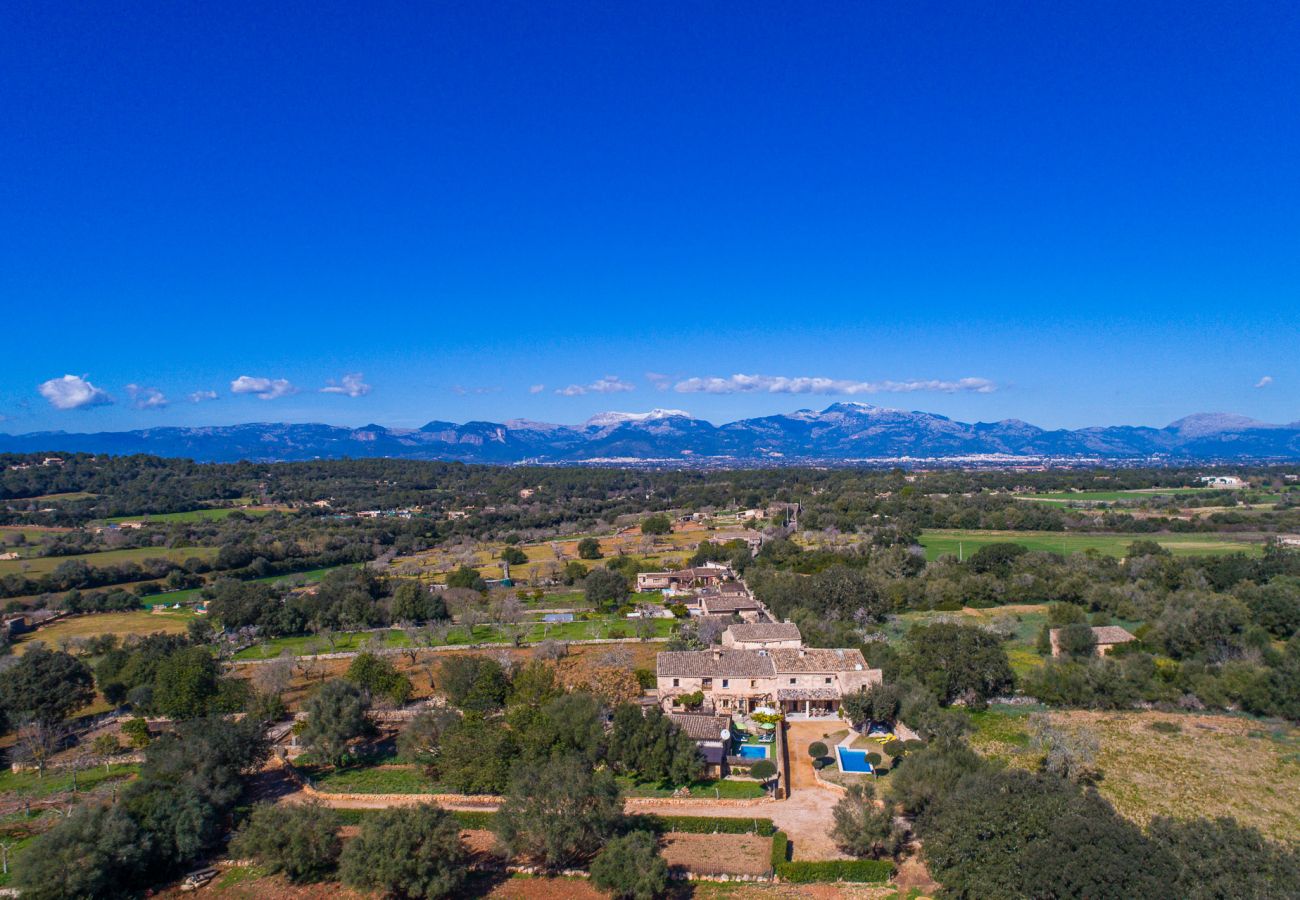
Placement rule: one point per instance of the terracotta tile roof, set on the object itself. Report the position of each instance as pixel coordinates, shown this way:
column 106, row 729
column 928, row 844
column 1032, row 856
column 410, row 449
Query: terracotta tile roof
column 766, row 631
column 708, row 664
column 816, row 659
column 732, row 603
column 700, row 727
column 1106, row 634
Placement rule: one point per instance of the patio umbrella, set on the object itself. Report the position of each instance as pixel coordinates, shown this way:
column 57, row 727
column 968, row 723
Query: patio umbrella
column 767, row 726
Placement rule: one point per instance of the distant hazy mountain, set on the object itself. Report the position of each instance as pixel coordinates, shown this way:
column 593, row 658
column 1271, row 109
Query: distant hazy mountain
column 841, row 433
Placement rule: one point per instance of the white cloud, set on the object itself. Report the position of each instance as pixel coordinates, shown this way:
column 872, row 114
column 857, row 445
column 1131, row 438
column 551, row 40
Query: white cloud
column 462, row 390
column 780, row 384
column 661, row 381
column 200, row 396
column 610, row 384
column 264, row 388
column 537, row 389
column 73, row 392
column 146, row 397
column 349, row 385
column 1264, row 382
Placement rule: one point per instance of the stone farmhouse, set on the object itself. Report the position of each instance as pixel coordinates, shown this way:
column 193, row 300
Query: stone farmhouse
column 1108, row 637
column 762, row 636
column 798, row 681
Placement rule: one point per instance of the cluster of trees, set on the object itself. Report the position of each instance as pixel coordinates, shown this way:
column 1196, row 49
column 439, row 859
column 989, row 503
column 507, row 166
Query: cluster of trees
column 169, row 817
column 349, row 598
column 991, row 832
column 557, row 813
column 498, row 719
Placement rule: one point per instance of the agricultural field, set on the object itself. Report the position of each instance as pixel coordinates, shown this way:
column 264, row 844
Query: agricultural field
column 136, row 622
column 1024, row 621
column 1174, row 764
column 1116, row 496
column 944, row 541
column 44, row 565
column 191, row 595
column 546, row 560
column 597, row 628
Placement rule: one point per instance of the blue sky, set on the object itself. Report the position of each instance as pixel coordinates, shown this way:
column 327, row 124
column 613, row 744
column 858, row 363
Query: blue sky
column 1069, row 213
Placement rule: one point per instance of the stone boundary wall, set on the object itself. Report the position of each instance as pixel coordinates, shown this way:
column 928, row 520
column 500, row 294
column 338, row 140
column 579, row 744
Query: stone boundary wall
column 488, row 802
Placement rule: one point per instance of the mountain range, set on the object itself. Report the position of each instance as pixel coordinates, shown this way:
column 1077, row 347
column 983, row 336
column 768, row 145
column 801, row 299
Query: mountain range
column 840, row 434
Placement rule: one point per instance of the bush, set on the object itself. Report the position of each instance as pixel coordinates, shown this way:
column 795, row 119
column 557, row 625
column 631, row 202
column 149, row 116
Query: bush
column 875, row 759
column 631, row 868
column 657, row 524
column 780, row 850
column 817, row 750
column 301, row 840
column 411, row 851
column 1166, row 727
column 856, row 870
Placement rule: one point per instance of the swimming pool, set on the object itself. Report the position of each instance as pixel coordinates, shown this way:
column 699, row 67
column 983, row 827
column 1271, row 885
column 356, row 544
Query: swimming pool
column 852, row 760
column 753, row 751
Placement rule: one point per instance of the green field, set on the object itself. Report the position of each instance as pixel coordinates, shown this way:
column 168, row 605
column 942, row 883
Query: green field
column 941, row 541
column 1211, row 765
column 1114, row 496
column 44, row 565
column 191, row 595
column 602, row 628
column 193, row 515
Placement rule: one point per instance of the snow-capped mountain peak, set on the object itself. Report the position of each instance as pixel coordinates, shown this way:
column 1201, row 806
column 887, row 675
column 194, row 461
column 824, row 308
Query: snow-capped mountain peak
column 605, row 419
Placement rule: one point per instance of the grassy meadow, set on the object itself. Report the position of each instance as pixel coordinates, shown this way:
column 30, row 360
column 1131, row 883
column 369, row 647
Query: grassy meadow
column 136, row 622
column 43, row 565
column 943, row 541
column 1211, row 765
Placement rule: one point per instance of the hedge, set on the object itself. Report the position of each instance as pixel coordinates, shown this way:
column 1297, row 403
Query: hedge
column 780, row 850
column 475, row 819
column 860, row 870
column 710, row 825
column 857, row 870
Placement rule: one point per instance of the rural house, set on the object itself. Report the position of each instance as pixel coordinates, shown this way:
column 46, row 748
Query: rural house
column 1108, row 636
column 798, row 681
column 711, row 734
column 762, row 636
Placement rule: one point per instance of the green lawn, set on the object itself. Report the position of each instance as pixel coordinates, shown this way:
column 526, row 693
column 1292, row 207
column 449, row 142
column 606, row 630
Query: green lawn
column 940, row 541
column 596, row 629
column 193, row 515
column 707, row 788
column 57, row 780
column 373, row 780
column 192, row 594
column 43, row 565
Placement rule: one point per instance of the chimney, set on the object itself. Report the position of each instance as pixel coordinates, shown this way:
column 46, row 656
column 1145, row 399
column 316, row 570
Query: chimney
column 802, row 653
column 717, row 653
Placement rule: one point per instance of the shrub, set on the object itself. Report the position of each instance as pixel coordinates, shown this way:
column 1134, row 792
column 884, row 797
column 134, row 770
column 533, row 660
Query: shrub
column 301, row 840
column 1166, row 727
column 780, row 850
column 630, row 867
column 857, row 870
column 817, row 750
column 411, row 851
column 875, row 759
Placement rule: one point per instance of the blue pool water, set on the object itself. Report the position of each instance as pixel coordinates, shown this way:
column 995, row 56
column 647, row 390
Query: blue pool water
column 853, row 760
column 753, row 751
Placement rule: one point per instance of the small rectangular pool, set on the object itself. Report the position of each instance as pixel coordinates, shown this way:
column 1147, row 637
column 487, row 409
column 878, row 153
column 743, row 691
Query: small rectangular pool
column 852, row 760
column 752, row 751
